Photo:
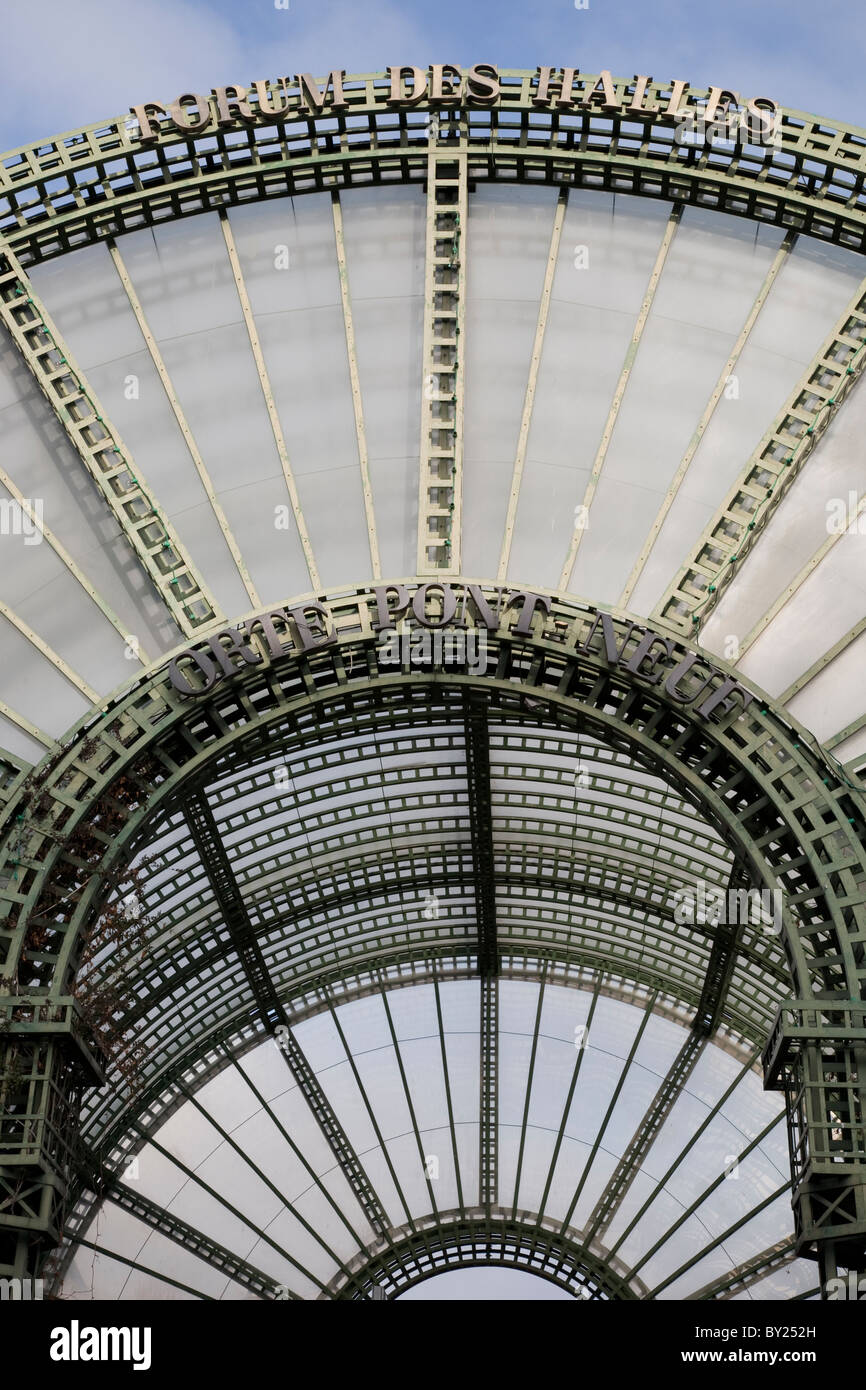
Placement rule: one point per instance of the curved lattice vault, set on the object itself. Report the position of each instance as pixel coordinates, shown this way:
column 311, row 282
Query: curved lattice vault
column 363, row 919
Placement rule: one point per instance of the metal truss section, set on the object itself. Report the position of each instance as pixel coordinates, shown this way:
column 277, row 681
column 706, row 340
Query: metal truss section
column 644, row 1137
column 145, row 526
column 188, row 1238
column 489, row 1092
column 102, row 181
column 727, row 935
column 760, row 300
column 442, row 357
column 12, row 771
column 743, row 516
column 286, row 887
column 629, row 943
column 272, row 1016
column 481, row 831
column 547, row 1252
column 223, row 992
column 745, row 1275
column 816, row 1054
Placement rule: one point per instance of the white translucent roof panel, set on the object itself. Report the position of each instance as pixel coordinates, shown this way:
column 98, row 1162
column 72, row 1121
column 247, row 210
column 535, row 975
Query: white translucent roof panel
column 18, row 742
column 299, row 318
column 95, row 1275
column 382, row 1094
column 677, row 1142
column 40, row 590
column 35, row 686
column 835, row 698
column 763, row 377
column 188, row 295
column 384, row 230
column 606, row 254
column 46, row 469
column 792, row 1280
column 822, row 500
column 219, row 388
column 829, row 603
column 507, row 246
column 712, row 273
column 85, row 296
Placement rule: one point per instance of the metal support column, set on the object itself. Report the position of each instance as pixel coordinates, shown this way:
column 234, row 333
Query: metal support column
column 488, row 1156
column 441, row 449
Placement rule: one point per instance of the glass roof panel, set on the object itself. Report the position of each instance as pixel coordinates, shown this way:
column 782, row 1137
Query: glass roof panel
column 508, row 243
column 43, row 465
column 607, row 250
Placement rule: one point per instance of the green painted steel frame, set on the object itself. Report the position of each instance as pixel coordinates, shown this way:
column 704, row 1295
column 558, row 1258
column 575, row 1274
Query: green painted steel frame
column 776, row 801
column 467, row 1241
column 783, row 809
column 101, row 181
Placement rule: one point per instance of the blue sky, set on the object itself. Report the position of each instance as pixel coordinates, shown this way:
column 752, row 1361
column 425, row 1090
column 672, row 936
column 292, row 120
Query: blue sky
column 95, row 58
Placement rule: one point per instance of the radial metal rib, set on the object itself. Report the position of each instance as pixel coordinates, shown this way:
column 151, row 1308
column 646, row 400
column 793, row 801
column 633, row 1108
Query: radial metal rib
column 102, row 451
column 355, row 380
column 532, row 381
column 270, row 403
column 177, row 410
column 619, row 393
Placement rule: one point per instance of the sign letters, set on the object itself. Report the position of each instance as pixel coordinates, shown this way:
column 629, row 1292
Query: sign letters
column 300, row 97
column 686, row 676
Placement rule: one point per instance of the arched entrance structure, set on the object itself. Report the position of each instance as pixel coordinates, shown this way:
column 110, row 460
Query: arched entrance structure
column 305, row 688
column 794, row 826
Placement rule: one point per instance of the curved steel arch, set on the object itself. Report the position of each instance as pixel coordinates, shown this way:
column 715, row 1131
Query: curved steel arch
column 100, row 181
column 783, row 806
column 97, row 183
column 810, row 798
column 462, row 1243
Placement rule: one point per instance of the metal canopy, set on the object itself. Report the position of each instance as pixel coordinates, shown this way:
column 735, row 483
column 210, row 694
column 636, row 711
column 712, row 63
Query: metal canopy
column 329, row 704
column 318, row 831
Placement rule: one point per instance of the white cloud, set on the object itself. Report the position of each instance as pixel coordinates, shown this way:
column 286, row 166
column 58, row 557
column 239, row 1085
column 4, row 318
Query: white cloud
column 97, row 58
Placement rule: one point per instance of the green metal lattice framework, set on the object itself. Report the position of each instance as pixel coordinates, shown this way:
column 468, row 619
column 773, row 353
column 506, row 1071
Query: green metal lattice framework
column 774, row 802
column 101, row 182
column 783, row 812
